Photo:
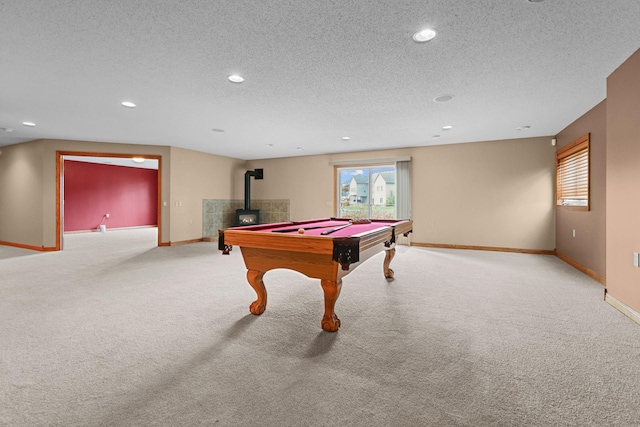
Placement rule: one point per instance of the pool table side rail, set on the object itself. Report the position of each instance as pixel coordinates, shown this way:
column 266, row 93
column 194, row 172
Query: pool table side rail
column 276, row 241
column 387, row 235
column 248, row 237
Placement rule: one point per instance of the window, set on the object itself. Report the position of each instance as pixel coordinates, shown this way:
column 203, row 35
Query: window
column 376, row 190
column 572, row 175
column 366, row 192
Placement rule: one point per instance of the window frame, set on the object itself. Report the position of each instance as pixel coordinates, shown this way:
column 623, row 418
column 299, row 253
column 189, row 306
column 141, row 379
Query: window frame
column 580, row 146
column 371, row 188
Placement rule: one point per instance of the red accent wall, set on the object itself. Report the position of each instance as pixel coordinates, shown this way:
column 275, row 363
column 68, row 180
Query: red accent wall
column 91, row 190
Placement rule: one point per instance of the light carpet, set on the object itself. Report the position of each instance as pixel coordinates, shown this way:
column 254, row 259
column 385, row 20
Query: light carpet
column 114, row 331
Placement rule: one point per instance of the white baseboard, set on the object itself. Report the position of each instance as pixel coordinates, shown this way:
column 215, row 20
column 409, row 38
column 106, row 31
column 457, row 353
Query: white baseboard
column 622, row 307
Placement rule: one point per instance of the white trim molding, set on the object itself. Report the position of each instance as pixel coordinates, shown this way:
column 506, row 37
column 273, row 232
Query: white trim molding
column 622, row 307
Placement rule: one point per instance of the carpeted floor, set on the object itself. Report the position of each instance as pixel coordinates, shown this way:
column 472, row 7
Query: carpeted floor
column 114, row 331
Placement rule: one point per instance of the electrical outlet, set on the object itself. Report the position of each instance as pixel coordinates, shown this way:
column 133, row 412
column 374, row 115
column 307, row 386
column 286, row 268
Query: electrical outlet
column 574, row 232
column 636, row 259
column 106, row 216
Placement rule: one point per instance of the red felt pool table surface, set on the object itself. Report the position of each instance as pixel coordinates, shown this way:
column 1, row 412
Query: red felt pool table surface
column 316, row 227
column 302, row 246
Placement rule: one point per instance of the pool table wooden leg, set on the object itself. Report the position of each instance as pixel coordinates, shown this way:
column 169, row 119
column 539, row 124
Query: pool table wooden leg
column 389, row 254
column 255, row 280
column 330, row 321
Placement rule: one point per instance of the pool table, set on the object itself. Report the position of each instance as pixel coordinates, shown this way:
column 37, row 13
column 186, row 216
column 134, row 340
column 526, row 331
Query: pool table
column 327, row 249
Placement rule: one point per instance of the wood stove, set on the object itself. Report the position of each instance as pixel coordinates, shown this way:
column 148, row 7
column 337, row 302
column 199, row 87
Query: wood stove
column 248, row 216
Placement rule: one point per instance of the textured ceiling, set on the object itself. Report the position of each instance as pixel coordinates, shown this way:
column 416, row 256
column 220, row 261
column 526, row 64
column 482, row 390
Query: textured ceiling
column 315, row 71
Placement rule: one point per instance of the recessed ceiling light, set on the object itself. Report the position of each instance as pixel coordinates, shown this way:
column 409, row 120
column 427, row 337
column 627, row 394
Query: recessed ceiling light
column 447, row 127
column 443, row 98
column 435, row 136
column 425, row 35
column 300, row 148
column 128, row 104
column 269, row 145
column 28, row 124
column 535, row 1
column 523, row 128
column 236, row 78
column 217, row 130
column 138, row 159
column 6, row 129
column 346, row 138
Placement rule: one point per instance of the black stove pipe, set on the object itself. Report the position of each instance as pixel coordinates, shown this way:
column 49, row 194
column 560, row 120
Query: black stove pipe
column 258, row 174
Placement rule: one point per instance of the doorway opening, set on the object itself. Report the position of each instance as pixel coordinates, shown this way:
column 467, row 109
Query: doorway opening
column 108, row 190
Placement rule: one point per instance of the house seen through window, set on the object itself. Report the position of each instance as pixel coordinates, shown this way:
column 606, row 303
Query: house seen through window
column 367, row 192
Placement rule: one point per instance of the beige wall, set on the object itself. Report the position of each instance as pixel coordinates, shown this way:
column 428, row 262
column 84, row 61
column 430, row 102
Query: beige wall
column 623, row 178
column 21, row 194
column 588, row 246
column 492, row 194
column 28, row 188
column 307, row 181
column 495, row 193
column 196, row 176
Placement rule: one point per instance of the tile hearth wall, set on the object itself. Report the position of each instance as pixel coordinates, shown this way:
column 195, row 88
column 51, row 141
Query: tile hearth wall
column 221, row 213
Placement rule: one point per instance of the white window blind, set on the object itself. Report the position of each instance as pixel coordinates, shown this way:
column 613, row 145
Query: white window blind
column 572, row 174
